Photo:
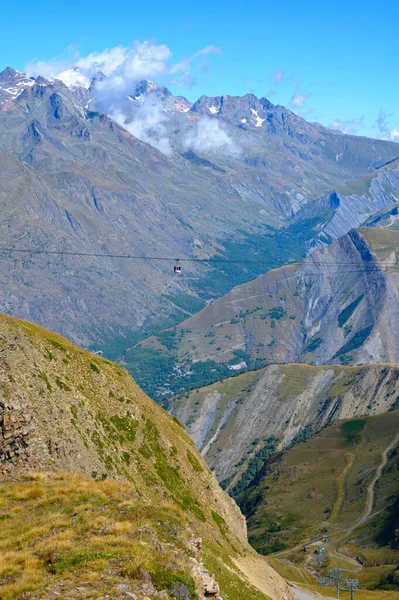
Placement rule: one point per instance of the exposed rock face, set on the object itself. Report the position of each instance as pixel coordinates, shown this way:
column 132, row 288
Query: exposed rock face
column 16, row 429
column 207, row 586
column 354, row 203
column 339, row 305
column 283, row 401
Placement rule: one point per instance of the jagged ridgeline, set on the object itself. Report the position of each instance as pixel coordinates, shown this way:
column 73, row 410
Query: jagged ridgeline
column 102, row 492
column 74, row 180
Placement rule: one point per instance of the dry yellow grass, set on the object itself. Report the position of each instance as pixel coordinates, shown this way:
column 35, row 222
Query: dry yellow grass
column 57, row 525
column 140, row 488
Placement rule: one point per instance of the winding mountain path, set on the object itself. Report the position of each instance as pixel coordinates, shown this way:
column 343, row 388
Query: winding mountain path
column 341, row 487
column 371, row 489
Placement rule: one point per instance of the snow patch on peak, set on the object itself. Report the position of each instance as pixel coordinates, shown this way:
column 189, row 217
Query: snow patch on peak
column 213, row 109
column 12, row 84
column 258, row 120
column 140, row 98
column 180, row 107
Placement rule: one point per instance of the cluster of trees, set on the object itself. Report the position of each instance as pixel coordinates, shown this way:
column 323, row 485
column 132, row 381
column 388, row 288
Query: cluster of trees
column 155, row 370
column 278, row 246
column 345, row 314
column 389, row 581
column 255, row 467
column 352, row 430
column 355, row 342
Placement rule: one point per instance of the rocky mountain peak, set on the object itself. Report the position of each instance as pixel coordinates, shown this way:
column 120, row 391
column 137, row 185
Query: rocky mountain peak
column 256, row 114
column 8, row 74
column 161, row 93
column 12, row 84
column 244, row 111
column 150, row 87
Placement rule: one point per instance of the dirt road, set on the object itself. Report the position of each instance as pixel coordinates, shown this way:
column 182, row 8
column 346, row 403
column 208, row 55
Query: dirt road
column 303, row 594
column 371, row 489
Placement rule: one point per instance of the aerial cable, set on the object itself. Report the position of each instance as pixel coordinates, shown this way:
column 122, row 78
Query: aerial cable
column 375, row 266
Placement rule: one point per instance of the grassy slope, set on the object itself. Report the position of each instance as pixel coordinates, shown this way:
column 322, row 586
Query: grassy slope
column 92, row 419
column 319, row 487
column 86, row 539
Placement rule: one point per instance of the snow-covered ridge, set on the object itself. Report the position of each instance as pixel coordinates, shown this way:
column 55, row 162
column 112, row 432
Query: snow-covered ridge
column 18, row 87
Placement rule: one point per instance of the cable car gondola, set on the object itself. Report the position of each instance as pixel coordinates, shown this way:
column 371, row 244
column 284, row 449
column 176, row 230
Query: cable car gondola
column 177, row 267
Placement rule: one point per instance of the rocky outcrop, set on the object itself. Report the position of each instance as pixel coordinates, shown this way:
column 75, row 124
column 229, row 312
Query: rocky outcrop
column 207, row 586
column 16, row 431
column 352, row 205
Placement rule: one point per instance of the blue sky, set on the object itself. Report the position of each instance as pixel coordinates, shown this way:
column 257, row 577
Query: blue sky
column 332, row 62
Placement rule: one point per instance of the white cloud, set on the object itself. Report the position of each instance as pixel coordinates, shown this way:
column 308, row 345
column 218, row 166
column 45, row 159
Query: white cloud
column 184, row 65
column 382, row 123
column 385, row 128
column 299, row 98
column 138, row 61
column 278, row 76
column 46, row 69
column 146, row 123
column 394, row 135
column 124, row 67
column 208, row 136
column 349, row 126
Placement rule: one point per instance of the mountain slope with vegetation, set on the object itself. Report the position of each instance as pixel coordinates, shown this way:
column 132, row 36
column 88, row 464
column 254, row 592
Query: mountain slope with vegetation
column 338, row 306
column 139, row 485
column 337, row 490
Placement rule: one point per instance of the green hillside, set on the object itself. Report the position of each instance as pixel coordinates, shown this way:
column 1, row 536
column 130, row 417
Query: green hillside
column 136, row 484
column 341, row 484
column 234, row 421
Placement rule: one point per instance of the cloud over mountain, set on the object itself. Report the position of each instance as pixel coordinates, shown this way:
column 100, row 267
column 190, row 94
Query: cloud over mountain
column 209, row 136
column 348, row 126
column 299, row 98
column 387, row 132
column 122, row 68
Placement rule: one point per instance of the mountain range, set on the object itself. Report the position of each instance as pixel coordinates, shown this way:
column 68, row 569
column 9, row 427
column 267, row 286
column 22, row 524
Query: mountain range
column 279, row 331
column 337, row 306
column 73, row 180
